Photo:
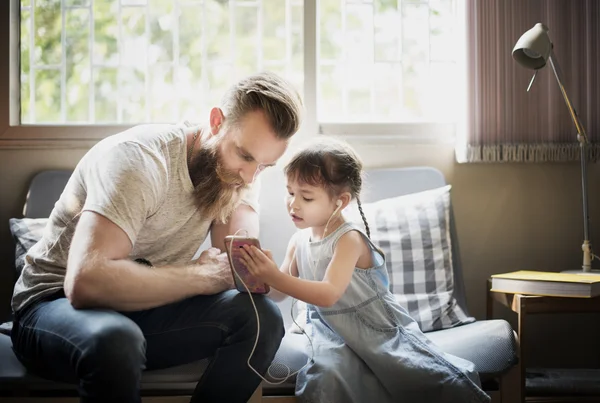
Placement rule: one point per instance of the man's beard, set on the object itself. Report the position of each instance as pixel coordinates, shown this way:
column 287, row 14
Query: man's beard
column 217, row 190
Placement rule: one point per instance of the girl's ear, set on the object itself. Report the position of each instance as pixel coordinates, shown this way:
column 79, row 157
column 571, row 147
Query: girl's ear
column 346, row 198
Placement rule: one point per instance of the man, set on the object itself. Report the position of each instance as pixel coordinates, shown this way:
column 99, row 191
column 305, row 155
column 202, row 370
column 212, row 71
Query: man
column 90, row 309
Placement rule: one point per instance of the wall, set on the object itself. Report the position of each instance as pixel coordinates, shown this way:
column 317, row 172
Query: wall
column 509, row 217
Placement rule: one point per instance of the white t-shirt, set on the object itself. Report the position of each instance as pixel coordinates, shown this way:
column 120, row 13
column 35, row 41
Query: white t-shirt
column 138, row 179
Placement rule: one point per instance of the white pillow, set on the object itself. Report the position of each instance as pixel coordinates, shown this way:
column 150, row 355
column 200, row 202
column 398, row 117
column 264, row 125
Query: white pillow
column 414, row 233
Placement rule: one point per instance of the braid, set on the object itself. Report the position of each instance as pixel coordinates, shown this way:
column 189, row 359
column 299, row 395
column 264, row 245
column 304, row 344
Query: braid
column 362, row 214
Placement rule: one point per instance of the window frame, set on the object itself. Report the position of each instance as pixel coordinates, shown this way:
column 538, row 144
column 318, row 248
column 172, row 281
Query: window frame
column 13, row 134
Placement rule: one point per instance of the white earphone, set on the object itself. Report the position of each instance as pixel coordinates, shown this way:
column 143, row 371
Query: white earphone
column 278, row 380
column 339, row 206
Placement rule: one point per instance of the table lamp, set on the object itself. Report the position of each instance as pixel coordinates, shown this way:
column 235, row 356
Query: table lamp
column 533, row 50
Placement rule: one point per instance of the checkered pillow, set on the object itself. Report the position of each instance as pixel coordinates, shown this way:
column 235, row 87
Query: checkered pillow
column 26, row 232
column 414, row 233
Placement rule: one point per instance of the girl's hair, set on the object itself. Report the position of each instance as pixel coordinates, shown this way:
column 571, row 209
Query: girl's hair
column 331, row 164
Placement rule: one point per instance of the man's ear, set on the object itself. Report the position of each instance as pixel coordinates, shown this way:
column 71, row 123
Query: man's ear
column 216, row 120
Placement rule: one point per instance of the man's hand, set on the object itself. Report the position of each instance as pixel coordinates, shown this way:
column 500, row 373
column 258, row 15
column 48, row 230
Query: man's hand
column 214, row 266
column 260, row 263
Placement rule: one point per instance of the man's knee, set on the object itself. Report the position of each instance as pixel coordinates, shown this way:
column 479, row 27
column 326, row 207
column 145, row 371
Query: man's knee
column 269, row 315
column 115, row 342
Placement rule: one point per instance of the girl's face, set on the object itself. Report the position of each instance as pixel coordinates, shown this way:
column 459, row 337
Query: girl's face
column 308, row 206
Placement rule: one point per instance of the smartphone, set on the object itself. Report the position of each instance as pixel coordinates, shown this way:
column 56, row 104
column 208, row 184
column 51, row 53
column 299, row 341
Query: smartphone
column 232, row 248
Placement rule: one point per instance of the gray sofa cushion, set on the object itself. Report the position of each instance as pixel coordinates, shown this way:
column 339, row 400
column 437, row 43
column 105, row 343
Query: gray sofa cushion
column 291, row 357
column 489, row 344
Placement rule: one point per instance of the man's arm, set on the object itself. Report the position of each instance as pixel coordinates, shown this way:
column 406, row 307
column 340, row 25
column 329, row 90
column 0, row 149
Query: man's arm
column 244, row 217
column 100, row 275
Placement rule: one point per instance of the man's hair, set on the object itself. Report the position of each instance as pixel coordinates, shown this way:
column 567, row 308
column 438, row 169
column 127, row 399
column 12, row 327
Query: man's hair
column 269, row 93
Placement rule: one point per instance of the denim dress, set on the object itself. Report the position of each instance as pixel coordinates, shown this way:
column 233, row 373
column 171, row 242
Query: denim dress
column 367, row 349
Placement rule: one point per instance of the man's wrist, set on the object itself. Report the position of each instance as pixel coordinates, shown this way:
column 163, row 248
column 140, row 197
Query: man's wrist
column 193, row 278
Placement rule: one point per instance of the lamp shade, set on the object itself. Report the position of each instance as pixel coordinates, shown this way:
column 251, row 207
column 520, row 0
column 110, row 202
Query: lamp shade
column 533, row 47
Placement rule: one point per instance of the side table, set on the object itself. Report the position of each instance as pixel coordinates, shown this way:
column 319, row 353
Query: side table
column 524, row 305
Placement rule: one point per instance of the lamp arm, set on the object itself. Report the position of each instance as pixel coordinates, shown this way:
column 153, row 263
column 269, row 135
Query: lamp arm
column 582, row 135
column 583, row 142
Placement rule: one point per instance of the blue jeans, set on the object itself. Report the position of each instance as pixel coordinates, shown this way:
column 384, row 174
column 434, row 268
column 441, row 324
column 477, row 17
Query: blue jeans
column 105, row 351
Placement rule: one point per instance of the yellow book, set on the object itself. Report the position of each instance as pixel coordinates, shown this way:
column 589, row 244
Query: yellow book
column 577, row 285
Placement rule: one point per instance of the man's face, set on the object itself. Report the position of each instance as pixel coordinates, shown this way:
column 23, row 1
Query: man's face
column 250, row 147
column 229, row 160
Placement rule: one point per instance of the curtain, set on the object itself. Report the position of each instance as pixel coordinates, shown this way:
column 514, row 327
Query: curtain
column 504, row 122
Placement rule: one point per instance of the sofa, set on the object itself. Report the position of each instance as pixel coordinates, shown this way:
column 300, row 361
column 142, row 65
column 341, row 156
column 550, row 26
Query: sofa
column 490, row 344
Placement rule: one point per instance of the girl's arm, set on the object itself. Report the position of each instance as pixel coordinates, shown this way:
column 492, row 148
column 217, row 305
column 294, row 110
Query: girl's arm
column 288, row 267
column 321, row 293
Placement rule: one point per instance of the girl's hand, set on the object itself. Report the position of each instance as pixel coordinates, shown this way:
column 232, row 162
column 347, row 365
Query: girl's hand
column 260, row 263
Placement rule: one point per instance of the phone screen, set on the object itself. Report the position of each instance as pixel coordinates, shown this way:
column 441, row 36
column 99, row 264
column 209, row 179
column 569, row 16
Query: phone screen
column 254, row 284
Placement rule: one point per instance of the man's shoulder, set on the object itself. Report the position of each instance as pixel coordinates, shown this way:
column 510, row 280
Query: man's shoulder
column 141, row 146
column 149, row 136
column 143, row 151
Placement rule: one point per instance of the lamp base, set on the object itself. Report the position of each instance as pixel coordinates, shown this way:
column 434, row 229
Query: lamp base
column 583, row 273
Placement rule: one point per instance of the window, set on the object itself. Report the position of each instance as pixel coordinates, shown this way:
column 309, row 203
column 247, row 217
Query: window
column 130, row 61
column 386, row 60
column 363, row 66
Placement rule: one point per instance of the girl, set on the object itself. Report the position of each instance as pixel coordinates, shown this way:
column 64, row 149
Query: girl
column 367, row 347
